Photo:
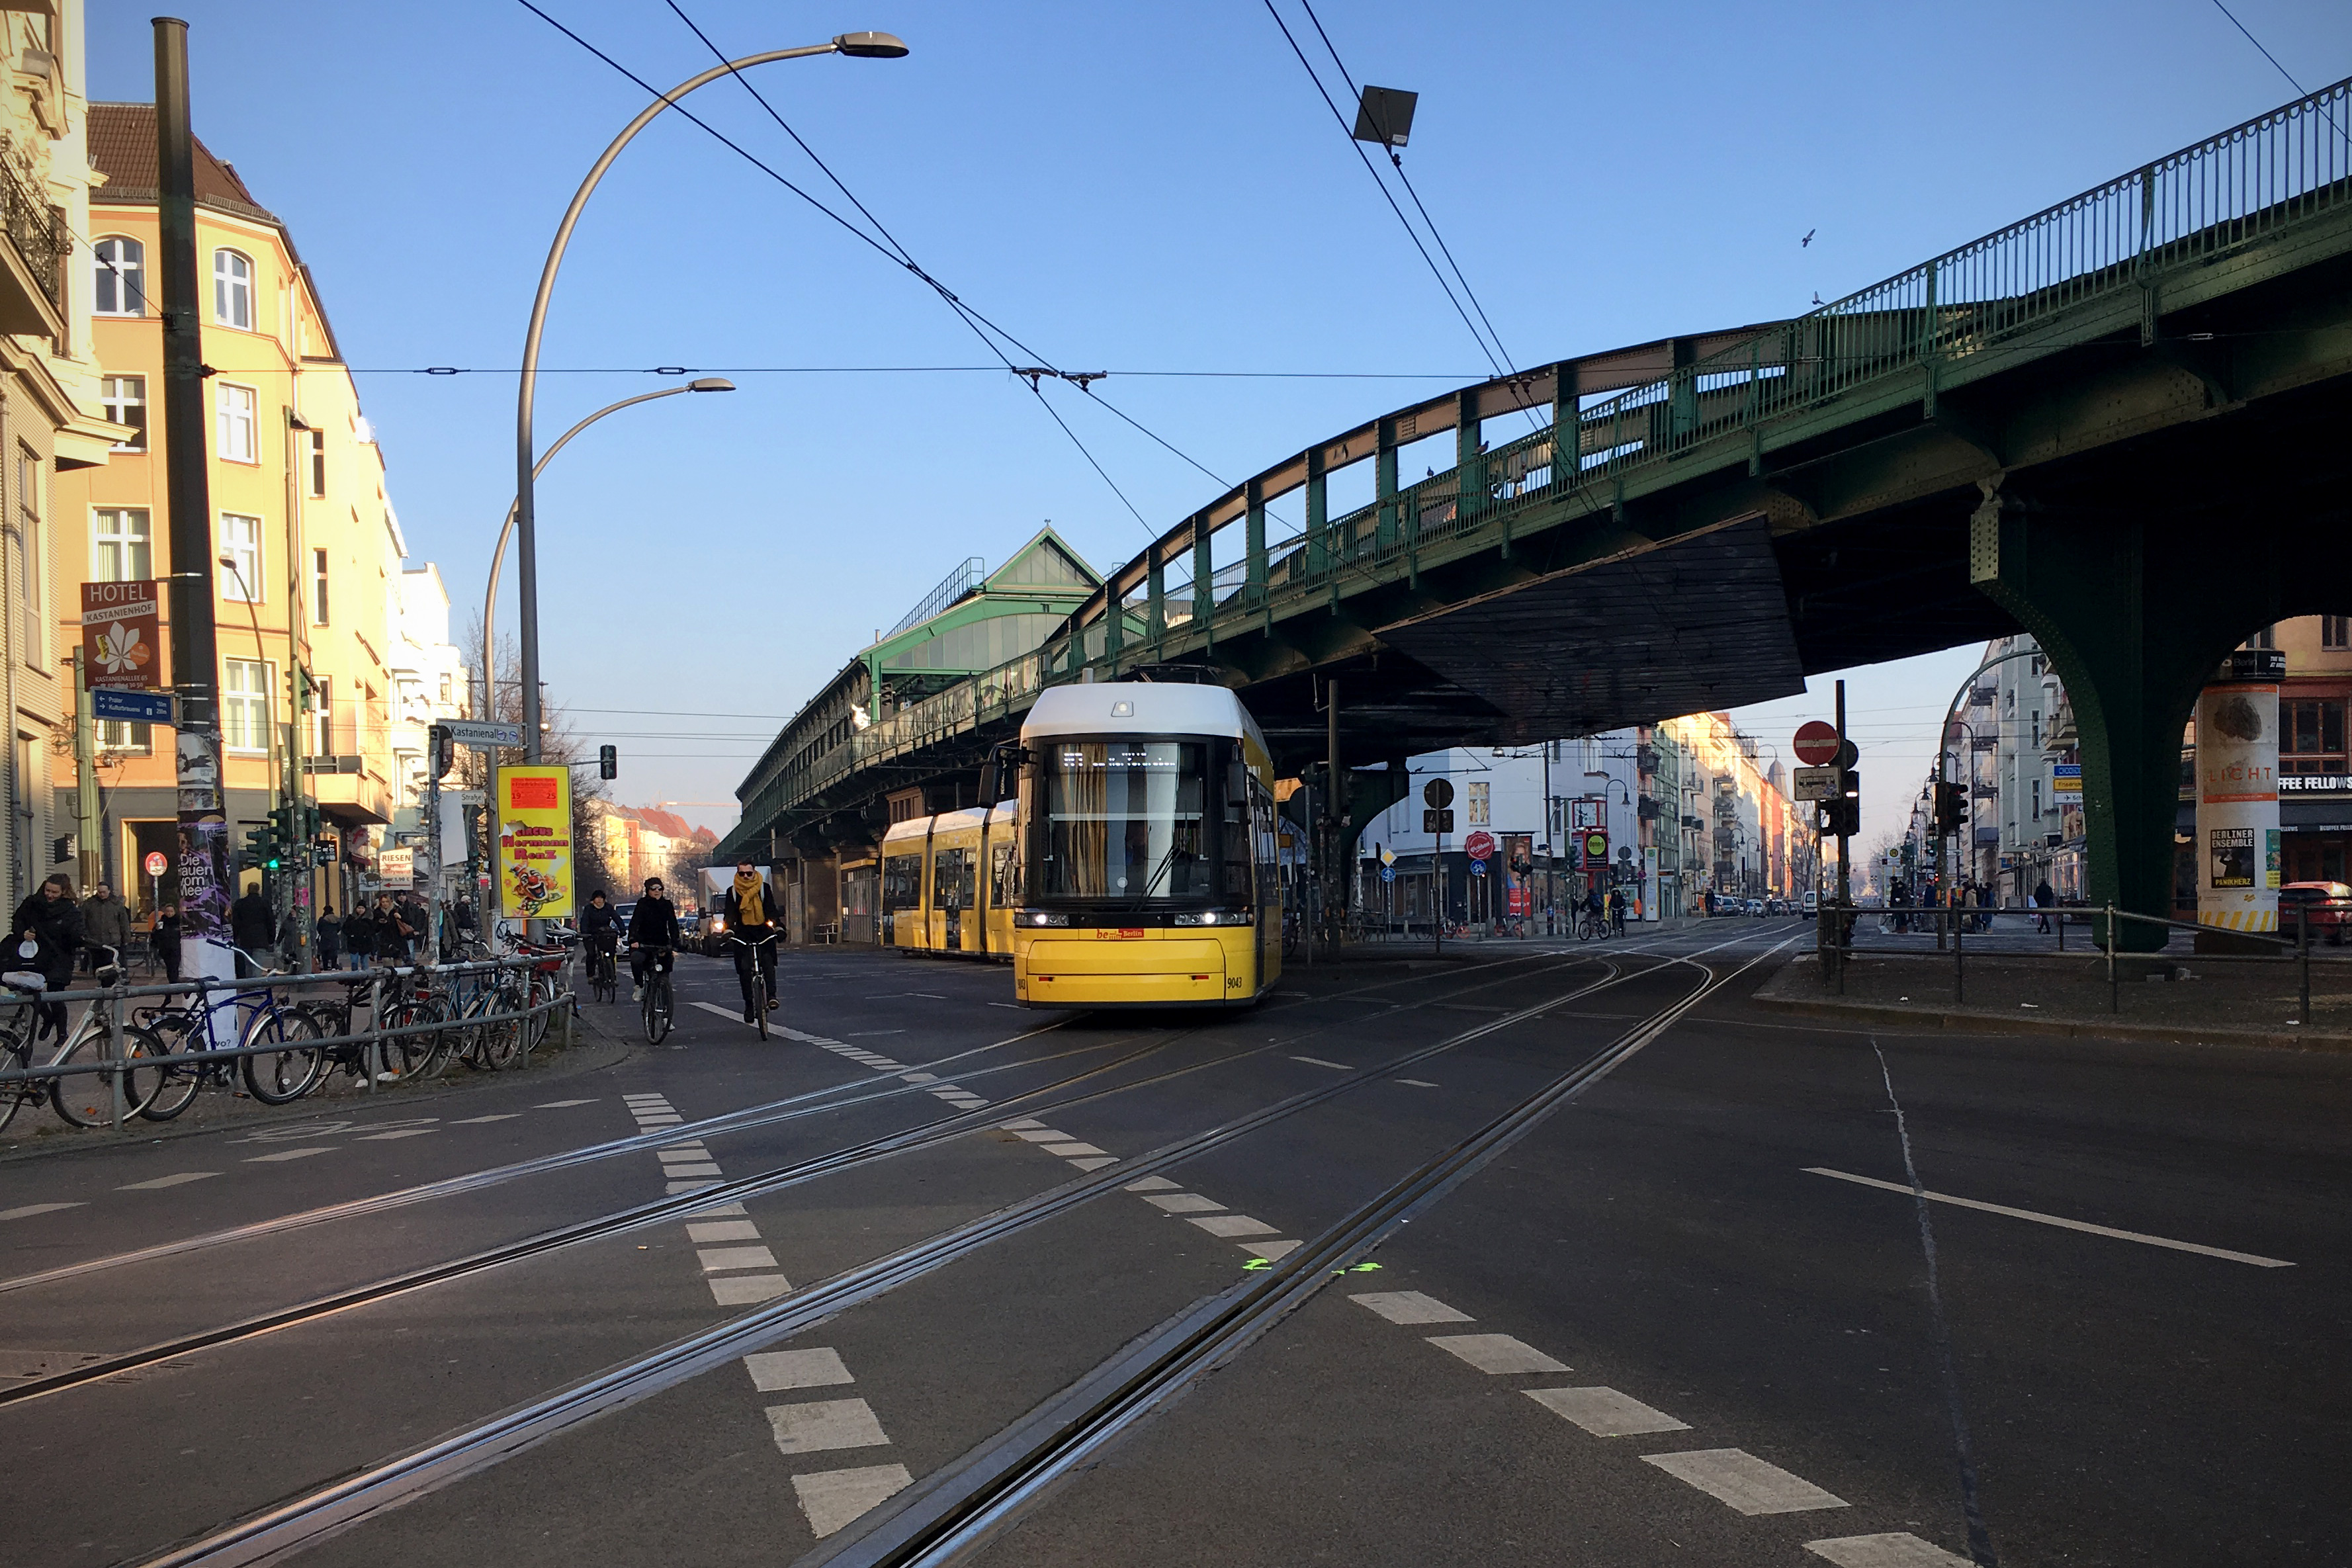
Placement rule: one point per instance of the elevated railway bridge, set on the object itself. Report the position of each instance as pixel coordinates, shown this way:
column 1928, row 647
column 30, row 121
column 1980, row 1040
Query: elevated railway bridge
column 2119, row 424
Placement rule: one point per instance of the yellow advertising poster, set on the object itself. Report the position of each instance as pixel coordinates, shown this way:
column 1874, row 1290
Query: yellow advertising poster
column 535, row 858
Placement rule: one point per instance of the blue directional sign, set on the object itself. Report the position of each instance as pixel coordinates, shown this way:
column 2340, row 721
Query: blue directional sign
column 1478, row 868
column 1388, row 873
column 138, row 707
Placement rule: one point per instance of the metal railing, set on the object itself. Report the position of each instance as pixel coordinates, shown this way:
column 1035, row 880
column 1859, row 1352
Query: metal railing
column 2106, row 252
column 39, row 233
column 222, row 999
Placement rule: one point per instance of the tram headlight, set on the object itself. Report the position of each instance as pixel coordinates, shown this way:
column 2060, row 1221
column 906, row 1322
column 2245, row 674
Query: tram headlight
column 1043, row 918
column 1214, row 917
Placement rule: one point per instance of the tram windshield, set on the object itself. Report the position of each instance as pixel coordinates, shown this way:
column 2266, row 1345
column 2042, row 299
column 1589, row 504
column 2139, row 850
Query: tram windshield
column 1124, row 821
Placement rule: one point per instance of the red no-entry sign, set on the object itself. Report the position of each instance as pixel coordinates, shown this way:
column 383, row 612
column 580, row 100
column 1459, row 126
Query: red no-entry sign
column 1479, row 845
column 1817, row 744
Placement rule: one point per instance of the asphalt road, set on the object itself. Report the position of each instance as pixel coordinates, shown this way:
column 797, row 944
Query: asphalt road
column 1685, row 1318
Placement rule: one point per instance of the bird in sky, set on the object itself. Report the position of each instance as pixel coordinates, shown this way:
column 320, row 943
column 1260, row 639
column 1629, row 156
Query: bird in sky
column 1817, row 297
column 1808, row 239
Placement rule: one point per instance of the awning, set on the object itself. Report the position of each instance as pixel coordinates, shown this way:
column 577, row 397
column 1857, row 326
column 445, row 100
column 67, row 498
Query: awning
column 2326, row 815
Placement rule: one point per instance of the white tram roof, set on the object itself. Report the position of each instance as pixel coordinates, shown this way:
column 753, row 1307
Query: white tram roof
column 1002, row 815
column 1139, row 707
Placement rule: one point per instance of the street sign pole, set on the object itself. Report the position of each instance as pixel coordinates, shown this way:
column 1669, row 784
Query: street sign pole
column 93, row 863
column 1845, row 870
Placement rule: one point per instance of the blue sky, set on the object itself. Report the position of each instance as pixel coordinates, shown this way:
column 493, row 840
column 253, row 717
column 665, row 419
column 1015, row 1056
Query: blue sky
column 1125, row 188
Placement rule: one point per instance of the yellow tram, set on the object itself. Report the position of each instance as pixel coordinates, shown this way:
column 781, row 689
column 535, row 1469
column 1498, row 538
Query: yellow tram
column 1148, row 856
column 1137, row 870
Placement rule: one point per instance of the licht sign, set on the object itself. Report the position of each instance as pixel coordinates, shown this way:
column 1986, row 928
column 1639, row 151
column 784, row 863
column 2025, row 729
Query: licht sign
column 535, row 861
column 120, row 629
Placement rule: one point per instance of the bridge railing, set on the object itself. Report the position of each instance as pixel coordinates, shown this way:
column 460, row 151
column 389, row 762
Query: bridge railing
column 2186, row 210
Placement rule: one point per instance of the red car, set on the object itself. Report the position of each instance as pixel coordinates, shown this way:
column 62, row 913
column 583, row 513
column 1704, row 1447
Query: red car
column 2327, row 906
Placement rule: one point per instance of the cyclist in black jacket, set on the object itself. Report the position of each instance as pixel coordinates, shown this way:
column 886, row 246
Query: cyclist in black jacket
column 600, row 925
column 653, row 935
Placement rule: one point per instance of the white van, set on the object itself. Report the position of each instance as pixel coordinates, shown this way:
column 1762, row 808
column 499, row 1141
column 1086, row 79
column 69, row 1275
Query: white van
column 1812, row 904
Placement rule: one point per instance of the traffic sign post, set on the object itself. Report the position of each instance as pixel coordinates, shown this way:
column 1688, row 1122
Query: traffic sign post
column 1437, row 795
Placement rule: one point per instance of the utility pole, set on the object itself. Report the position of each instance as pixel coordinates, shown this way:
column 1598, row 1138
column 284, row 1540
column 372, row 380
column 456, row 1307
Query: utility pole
column 87, row 809
column 1342, row 853
column 1845, row 860
column 204, row 823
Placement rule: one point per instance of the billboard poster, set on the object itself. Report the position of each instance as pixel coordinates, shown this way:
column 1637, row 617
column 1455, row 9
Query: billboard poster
column 120, row 627
column 2229, row 856
column 2237, row 802
column 1519, row 867
column 397, row 869
column 535, row 859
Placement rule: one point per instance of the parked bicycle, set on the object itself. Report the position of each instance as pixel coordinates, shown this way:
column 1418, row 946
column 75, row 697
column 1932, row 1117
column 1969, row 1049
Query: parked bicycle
column 82, row 1099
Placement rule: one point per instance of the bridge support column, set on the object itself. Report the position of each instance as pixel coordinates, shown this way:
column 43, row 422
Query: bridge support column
column 2135, row 613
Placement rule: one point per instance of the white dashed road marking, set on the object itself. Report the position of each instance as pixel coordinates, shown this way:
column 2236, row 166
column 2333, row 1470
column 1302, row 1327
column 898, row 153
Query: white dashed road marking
column 182, row 1179
column 825, row 1423
column 559, row 1104
column 1067, row 1150
column 1410, row 1307
column 2063, row 1224
column 1605, row 1413
column 477, row 1121
column 1417, row 1083
column 1895, row 1551
column 775, row 1371
column 831, row 1499
column 1149, row 1183
column 1319, row 1062
column 1743, row 1482
column 1496, row 1353
column 397, row 1132
column 29, row 1210
column 285, row 1154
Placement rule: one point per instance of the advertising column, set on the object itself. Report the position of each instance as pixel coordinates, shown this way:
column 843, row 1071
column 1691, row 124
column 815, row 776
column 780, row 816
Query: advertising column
column 2237, row 843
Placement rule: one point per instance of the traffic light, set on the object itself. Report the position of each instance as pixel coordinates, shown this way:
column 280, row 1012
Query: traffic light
column 1951, row 806
column 263, row 847
column 445, row 751
column 608, row 762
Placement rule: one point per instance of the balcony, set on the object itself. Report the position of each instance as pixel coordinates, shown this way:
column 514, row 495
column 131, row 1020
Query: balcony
column 32, row 264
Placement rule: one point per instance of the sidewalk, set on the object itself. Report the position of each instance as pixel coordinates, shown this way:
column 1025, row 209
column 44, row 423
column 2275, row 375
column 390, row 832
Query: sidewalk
column 2173, row 997
column 38, row 1130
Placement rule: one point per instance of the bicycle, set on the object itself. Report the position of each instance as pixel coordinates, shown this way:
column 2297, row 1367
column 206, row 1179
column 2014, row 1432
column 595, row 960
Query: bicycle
column 603, row 973
column 755, row 977
column 1591, row 927
column 657, row 1002
column 274, row 1078
column 82, row 1099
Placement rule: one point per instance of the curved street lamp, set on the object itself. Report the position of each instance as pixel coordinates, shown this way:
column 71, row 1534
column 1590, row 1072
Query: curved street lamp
column 499, row 555
column 859, row 46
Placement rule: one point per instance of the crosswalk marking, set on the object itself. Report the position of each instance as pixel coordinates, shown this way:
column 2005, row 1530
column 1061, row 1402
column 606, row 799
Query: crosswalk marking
column 776, row 1372
column 1898, row 1549
column 723, row 1230
column 1181, row 1203
column 719, row 1259
column 831, row 1499
column 1743, row 1482
column 1496, row 1353
column 1410, row 1307
column 825, row 1423
column 743, row 1289
column 1233, row 1225
column 1605, row 1413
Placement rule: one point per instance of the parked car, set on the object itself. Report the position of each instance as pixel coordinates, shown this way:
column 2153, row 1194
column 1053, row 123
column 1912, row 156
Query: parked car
column 2326, row 905
column 1812, row 904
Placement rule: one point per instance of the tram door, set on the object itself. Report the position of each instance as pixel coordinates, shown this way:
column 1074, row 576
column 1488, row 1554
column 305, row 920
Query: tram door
column 952, row 894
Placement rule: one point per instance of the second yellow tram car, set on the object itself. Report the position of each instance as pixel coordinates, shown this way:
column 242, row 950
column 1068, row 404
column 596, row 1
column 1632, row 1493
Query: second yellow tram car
column 1147, row 860
column 948, row 882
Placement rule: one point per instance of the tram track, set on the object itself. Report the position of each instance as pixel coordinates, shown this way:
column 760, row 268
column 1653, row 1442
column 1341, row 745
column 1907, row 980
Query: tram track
column 341, row 1504
column 658, row 1211
column 814, row 1102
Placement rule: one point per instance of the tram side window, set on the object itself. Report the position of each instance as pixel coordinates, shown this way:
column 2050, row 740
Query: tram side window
column 951, row 879
column 902, row 882
column 1237, row 836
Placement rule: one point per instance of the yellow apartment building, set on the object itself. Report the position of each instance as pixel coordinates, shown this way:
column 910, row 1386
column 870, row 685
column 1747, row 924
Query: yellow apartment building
column 51, row 418
column 307, row 551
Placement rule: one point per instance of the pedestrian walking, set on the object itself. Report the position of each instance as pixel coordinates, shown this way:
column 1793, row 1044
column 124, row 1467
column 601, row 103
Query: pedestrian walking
column 330, row 939
column 105, row 926
column 2043, row 899
column 49, row 920
column 164, row 936
column 393, row 932
column 253, row 927
column 359, row 938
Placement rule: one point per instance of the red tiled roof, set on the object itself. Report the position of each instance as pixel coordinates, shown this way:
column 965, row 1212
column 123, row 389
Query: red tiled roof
column 123, row 147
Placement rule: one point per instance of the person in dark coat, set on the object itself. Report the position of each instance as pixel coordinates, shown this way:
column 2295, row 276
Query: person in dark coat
column 49, row 920
column 359, row 938
column 165, row 940
column 105, row 926
column 330, row 940
column 253, row 926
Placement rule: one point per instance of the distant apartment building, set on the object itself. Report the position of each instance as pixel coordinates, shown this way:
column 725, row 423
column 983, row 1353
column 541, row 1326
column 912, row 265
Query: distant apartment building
column 308, row 567
column 639, row 842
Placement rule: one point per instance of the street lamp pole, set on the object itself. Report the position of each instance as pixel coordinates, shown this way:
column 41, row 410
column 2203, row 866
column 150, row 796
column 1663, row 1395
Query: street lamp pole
column 867, row 46
column 499, row 555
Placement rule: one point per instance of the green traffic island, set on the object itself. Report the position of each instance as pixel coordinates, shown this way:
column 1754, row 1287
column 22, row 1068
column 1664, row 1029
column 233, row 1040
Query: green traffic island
column 2180, row 997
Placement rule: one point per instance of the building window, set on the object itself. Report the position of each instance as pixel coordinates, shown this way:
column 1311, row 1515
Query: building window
column 124, row 398
column 244, row 706
column 322, row 716
column 28, row 533
column 2266, row 637
column 232, row 289
column 2037, row 800
column 318, row 587
column 122, row 735
column 2312, row 736
column 2335, row 631
column 2037, row 728
column 122, row 272
column 235, row 435
column 318, row 464
column 241, row 542
column 447, row 689
column 121, row 544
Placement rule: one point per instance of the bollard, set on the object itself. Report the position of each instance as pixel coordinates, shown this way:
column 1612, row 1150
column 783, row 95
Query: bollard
column 114, row 1039
column 2303, row 957
column 2115, row 998
column 376, row 1059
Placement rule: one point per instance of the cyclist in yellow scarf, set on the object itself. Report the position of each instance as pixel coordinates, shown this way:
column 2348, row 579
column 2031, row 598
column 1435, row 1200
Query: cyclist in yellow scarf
column 750, row 917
